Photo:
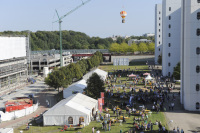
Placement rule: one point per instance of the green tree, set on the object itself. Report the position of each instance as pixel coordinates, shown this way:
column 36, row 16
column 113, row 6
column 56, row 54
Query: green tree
column 142, row 47
column 115, row 47
column 95, row 85
column 151, row 47
column 124, row 47
column 133, row 47
column 56, row 79
column 177, row 72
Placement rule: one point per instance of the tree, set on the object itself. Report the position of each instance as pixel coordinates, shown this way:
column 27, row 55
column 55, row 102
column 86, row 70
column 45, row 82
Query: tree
column 115, row 47
column 143, row 47
column 124, row 47
column 133, row 47
column 95, row 85
column 56, row 79
column 151, row 47
column 176, row 72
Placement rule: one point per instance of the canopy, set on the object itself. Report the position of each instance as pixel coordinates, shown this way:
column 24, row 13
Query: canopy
column 146, row 74
column 132, row 75
column 75, row 88
column 73, row 108
column 101, row 73
column 148, row 77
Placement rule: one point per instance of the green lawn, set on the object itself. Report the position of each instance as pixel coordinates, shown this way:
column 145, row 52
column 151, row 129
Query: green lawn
column 115, row 128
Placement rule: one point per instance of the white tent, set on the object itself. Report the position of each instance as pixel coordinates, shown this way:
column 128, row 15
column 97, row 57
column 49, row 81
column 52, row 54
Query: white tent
column 70, row 110
column 76, row 87
column 101, row 73
column 148, row 78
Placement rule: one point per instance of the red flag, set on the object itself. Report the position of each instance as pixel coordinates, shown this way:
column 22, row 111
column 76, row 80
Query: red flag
column 100, row 106
column 102, row 96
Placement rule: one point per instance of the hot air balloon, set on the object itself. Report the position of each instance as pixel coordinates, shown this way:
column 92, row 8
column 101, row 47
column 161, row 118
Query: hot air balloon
column 123, row 15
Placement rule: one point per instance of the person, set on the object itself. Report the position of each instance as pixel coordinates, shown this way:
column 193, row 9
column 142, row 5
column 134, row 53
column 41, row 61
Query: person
column 151, row 127
column 109, row 125
column 178, row 130
column 182, row 131
column 103, row 125
column 172, row 106
column 92, row 129
column 120, row 130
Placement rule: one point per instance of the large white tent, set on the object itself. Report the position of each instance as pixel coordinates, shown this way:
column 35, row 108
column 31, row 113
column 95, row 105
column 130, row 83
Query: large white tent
column 70, row 111
column 101, row 73
column 76, row 87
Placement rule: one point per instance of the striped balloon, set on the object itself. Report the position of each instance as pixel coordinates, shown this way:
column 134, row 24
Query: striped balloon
column 123, row 14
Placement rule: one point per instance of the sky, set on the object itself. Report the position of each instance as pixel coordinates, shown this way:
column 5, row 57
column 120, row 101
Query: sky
column 96, row 18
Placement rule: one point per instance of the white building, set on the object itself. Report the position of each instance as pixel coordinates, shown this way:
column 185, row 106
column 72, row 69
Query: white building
column 131, row 41
column 190, row 55
column 171, row 35
column 149, row 35
column 158, row 31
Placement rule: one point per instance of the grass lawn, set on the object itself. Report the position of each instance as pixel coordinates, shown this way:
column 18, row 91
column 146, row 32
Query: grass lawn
column 115, row 128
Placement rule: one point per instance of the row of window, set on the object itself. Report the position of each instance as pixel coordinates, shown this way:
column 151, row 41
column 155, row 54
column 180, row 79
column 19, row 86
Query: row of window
column 70, row 120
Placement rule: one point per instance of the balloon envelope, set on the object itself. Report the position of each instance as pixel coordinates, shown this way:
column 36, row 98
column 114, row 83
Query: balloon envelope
column 123, row 14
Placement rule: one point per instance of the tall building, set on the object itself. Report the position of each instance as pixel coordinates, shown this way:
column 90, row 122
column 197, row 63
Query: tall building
column 171, row 10
column 13, row 61
column 190, row 55
column 158, row 32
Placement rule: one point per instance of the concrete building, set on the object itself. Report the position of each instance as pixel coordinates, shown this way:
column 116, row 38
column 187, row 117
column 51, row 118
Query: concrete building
column 171, row 35
column 13, row 61
column 138, row 41
column 190, row 55
column 158, row 31
column 149, row 35
column 39, row 61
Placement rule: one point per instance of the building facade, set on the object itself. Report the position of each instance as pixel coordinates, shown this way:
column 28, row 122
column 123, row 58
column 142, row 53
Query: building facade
column 158, row 32
column 171, row 35
column 131, row 41
column 39, row 61
column 13, row 62
column 190, row 55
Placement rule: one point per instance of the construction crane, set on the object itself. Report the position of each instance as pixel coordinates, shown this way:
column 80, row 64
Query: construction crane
column 60, row 21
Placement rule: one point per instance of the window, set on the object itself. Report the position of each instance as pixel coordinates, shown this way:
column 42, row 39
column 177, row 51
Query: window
column 197, row 105
column 169, row 26
column 197, row 69
column 169, row 8
column 159, row 30
column 198, row 1
column 169, row 54
column 169, row 44
column 159, row 36
column 159, row 49
column 169, row 74
column 70, row 120
column 159, row 42
column 159, row 12
column 159, row 24
column 169, row 64
column 169, row 34
column 169, row 17
column 159, row 18
column 197, row 87
column 198, row 32
column 198, row 50
column 198, row 15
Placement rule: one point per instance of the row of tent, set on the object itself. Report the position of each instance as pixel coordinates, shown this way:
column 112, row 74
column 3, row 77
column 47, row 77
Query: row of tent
column 75, row 108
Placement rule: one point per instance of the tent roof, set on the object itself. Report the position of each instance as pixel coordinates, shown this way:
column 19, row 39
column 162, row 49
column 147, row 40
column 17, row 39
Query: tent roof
column 146, row 74
column 132, row 75
column 101, row 73
column 78, row 86
column 148, row 77
column 77, row 104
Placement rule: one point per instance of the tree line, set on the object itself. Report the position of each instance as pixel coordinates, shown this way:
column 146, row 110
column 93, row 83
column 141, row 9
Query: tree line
column 47, row 40
column 64, row 76
column 124, row 47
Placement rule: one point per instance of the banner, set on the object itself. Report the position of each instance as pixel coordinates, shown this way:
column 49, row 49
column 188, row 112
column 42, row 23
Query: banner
column 102, row 96
column 100, row 106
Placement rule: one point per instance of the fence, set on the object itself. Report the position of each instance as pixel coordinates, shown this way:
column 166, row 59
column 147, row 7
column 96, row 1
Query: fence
column 17, row 114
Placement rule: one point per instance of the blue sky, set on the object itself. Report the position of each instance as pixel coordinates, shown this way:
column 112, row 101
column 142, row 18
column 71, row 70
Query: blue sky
column 96, row 18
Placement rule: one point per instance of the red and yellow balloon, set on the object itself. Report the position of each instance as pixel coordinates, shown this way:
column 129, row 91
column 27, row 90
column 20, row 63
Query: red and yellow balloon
column 123, row 14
